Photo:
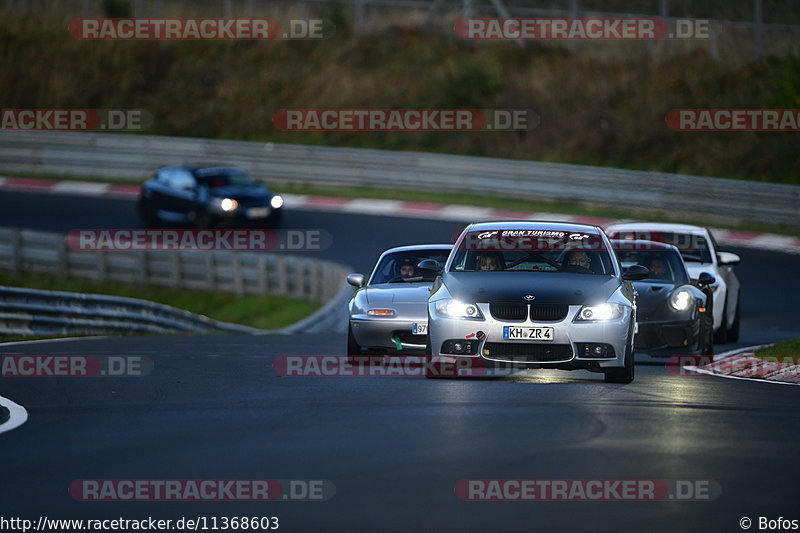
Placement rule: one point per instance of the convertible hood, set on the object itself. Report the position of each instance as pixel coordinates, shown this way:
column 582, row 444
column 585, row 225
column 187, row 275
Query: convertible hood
column 547, row 287
column 388, row 293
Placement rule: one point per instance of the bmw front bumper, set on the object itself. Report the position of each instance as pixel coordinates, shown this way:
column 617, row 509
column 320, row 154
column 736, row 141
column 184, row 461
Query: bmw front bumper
column 567, row 350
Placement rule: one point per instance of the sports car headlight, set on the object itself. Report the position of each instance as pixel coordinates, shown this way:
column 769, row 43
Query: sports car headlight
column 681, row 300
column 276, row 201
column 600, row 312
column 224, row 204
column 455, row 309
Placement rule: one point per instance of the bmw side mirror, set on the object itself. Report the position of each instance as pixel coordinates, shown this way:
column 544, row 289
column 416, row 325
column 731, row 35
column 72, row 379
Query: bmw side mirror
column 356, row 280
column 706, row 279
column 636, row 273
column 431, row 265
column 728, row 259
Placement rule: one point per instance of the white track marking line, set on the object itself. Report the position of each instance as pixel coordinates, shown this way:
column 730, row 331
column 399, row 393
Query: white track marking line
column 81, row 187
column 17, row 415
column 55, row 339
column 372, row 206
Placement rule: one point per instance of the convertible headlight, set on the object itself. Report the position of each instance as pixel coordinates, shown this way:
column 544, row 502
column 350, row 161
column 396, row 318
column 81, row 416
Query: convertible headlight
column 455, row 309
column 600, row 312
column 276, row 201
column 681, row 300
column 224, row 204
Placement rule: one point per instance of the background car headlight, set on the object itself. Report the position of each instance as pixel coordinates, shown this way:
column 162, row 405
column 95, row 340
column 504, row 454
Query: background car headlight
column 276, row 201
column 456, row 309
column 681, row 300
column 605, row 311
column 224, row 204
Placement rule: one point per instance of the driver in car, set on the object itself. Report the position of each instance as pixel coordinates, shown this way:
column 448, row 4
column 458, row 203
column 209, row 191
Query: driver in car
column 578, row 258
column 408, row 268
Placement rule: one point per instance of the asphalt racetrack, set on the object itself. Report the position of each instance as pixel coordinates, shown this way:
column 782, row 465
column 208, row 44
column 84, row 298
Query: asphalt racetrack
column 395, row 448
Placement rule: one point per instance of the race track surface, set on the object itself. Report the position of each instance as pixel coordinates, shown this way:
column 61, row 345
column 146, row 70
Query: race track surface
column 213, row 407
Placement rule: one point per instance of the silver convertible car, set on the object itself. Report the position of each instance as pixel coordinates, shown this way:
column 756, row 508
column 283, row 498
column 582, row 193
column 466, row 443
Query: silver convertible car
column 388, row 313
column 535, row 295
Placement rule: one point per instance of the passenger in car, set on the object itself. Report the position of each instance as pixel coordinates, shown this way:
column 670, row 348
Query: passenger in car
column 490, row 261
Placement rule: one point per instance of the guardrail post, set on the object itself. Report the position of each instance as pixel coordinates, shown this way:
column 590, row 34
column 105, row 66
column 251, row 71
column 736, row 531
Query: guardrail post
column 238, row 279
column 211, row 277
column 176, row 269
column 283, row 277
column 142, row 274
column 261, row 274
column 102, row 265
column 16, row 250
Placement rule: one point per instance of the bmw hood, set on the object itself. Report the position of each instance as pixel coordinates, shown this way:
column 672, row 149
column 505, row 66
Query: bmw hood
column 546, row 287
column 389, row 293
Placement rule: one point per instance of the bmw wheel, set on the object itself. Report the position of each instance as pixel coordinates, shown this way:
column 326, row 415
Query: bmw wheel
column 627, row 372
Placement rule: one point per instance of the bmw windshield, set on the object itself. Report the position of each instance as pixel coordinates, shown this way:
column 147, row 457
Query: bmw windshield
column 533, row 251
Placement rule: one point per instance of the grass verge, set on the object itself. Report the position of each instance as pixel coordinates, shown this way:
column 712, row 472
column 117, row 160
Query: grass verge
column 265, row 312
column 784, row 348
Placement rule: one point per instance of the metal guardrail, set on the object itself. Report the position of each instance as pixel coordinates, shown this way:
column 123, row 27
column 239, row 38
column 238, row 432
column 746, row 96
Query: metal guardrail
column 135, row 156
column 31, row 311
column 25, row 311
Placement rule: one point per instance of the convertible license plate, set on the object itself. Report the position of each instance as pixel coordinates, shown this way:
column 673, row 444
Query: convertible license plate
column 258, row 212
column 533, row 334
column 419, row 329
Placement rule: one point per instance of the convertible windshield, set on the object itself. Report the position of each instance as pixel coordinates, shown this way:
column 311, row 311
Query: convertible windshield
column 692, row 247
column 664, row 265
column 533, row 251
column 401, row 267
column 223, row 177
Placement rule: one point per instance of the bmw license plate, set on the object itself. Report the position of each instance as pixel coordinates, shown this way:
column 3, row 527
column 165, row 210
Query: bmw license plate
column 531, row 334
column 258, row 212
column 419, row 329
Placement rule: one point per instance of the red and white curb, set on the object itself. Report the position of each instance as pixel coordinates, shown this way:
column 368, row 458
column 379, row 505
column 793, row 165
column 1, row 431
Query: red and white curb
column 743, row 364
column 399, row 208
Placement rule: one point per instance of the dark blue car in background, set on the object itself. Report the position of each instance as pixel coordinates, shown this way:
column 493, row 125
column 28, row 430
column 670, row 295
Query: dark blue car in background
column 207, row 197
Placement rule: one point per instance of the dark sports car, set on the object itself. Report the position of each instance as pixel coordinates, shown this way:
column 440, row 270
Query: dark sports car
column 674, row 317
column 206, row 197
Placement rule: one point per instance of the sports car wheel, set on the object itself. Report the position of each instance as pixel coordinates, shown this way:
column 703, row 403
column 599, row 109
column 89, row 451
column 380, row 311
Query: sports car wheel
column 707, row 334
column 627, row 372
column 148, row 216
column 202, row 220
column 733, row 332
column 721, row 336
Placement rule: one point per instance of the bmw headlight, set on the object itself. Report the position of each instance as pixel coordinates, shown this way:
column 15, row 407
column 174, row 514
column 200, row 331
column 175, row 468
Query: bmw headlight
column 455, row 309
column 276, row 201
column 224, row 204
column 600, row 312
column 681, row 300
